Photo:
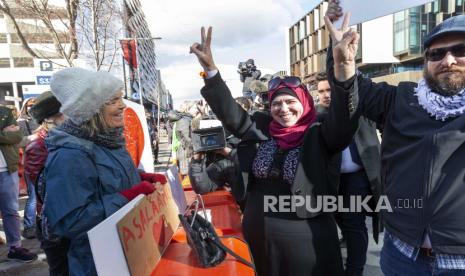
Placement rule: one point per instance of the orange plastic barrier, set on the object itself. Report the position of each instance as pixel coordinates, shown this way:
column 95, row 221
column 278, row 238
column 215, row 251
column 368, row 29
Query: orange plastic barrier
column 225, row 212
column 178, row 259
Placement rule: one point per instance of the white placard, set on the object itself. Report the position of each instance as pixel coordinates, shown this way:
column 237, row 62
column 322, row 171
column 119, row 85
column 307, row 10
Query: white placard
column 365, row 10
column 209, row 123
column 176, row 188
column 106, row 246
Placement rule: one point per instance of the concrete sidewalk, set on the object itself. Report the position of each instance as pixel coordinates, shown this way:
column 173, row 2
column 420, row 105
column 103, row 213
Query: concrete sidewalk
column 164, row 153
column 36, row 268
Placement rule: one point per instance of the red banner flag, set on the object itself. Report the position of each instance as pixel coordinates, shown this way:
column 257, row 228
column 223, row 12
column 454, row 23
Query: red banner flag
column 130, row 52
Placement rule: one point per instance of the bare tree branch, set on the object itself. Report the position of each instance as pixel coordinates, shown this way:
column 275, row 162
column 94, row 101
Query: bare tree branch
column 40, row 9
column 5, row 8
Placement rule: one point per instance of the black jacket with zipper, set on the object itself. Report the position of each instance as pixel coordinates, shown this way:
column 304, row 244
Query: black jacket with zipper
column 318, row 169
column 422, row 166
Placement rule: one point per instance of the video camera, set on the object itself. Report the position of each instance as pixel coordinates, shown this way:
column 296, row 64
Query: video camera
column 208, row 139
column 264, row 98
column 246, row 68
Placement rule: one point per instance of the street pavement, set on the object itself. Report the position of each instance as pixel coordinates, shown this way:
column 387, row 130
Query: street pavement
column 40, row 267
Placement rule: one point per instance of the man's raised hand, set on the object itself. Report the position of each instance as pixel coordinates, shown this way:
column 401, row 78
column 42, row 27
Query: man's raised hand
column 334, row 11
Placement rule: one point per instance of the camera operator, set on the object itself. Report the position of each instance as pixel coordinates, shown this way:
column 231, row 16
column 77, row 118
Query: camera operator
column 248, row 72
column 181, row 140
column 212, row 170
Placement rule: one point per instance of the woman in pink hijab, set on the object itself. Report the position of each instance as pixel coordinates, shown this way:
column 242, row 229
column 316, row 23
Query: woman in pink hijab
column 288, row 162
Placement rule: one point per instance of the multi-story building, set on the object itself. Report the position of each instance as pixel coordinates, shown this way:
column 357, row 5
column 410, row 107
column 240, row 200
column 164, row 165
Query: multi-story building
column 308, row 41
column 146, row 75
column 18, row 69
column 390, row 49
column 22, row 75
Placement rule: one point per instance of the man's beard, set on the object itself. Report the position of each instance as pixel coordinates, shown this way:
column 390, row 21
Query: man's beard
column 447, row 87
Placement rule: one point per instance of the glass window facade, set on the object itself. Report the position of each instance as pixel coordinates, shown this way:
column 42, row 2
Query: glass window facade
column 414, row 30
column 15, row 38
column 23, row 62
column 4, row 63
column 436, row 6
column 401, row 31
column 409, row 28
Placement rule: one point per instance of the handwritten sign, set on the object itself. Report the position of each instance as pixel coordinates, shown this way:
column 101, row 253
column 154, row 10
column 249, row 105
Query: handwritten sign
column 147, row 229
column 365, row 10
column 104, row 240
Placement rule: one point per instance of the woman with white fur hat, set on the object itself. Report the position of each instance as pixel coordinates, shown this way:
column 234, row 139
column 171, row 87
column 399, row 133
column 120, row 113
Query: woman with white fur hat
column 89, row 174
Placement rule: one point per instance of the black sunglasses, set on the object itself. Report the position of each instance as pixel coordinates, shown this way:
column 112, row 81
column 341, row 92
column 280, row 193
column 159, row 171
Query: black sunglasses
column 438, row 54
column 291, row 82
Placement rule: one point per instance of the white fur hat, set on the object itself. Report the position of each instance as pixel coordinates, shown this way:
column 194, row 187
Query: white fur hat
column 82, row 92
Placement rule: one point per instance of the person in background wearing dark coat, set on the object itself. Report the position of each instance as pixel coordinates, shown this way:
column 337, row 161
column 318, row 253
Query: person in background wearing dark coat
column 422, row 150
column 360, row 176
column 286, row 156
column 155, row 141
column 28, row 126
column 25, row 120
column 46, row 112
column 10, row 137
column 213, row 170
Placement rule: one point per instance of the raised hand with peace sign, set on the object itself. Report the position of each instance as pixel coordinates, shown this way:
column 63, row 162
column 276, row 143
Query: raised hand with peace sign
column 203, row 50
column 345, row 45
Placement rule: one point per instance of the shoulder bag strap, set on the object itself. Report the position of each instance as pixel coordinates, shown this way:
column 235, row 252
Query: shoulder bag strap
column 232, row 253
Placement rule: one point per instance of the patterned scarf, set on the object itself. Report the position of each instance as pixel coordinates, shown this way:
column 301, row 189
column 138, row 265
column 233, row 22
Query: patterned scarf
column 438, row 106
column 113, row 139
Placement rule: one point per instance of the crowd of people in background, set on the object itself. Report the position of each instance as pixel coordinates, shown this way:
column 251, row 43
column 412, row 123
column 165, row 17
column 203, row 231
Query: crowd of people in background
column 361, row 139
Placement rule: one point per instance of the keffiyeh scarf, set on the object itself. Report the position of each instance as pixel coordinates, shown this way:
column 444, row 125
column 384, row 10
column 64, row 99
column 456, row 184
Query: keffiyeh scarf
column 438, row 106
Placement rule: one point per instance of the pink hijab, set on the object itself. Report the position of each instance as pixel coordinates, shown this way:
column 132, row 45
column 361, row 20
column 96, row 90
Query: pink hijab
column 292, row 137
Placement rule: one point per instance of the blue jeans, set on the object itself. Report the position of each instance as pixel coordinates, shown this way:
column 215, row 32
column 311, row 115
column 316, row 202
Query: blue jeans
column 30, row 208
column 9, row 205
column 352, row 224
column 394, row 263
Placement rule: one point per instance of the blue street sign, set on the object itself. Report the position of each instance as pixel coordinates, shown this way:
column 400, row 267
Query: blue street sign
column 43, row 80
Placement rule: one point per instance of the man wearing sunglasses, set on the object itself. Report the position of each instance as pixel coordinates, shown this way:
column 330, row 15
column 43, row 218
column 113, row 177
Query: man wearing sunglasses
column 423, row 148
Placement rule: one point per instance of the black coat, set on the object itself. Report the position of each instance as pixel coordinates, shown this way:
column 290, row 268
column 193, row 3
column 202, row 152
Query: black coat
column 318, row 170
column 422, row 170
column 368, row 147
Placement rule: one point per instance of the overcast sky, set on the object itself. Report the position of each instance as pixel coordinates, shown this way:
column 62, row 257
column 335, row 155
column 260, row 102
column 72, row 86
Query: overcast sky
column 242, row 29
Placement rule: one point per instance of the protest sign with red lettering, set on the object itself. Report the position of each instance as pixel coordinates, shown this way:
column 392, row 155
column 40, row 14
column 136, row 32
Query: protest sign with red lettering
column 147, row 229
